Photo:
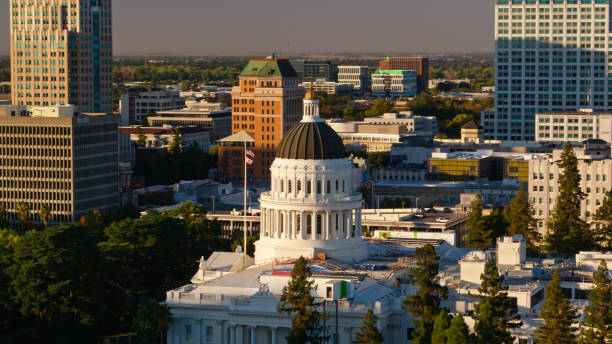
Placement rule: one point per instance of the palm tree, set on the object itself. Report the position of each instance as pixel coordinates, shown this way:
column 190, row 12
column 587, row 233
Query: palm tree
column 45, row 215
column 23, row 211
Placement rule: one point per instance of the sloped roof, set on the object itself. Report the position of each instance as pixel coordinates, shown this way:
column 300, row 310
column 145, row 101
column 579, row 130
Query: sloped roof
column 471, row 125
column 269, row 68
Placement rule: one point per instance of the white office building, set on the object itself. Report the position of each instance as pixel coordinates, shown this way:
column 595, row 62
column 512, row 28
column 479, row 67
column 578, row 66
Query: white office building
column 550, row 56
column 356, row 76
column 394, row 83
column 595, row 168
column 574, row 126
column 137, row 103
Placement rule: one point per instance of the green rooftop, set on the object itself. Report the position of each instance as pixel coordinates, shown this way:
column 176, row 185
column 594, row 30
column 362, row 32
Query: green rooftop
column 393, row 72
column 269, row 68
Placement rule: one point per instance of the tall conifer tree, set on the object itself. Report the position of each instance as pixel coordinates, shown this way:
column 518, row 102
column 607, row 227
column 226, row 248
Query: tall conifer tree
column 519, row 216
column 568, row 233
column 478, row 235
column 368, row 332
column 597, row 325
column 558, row 315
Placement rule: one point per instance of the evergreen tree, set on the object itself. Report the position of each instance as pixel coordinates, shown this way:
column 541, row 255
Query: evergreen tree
column 425, row 304
column 519, row 216
column 597, row 325
column 297, row 301
column 458, row 332
column 142, row 138
column 568, row 233
column 368, row 332
column 558, row 315
column 504, row 311
column 496, row 223
column 478, row 235
column 440, row 328
column 487, row 324
column 176, row 145
column 603, row 222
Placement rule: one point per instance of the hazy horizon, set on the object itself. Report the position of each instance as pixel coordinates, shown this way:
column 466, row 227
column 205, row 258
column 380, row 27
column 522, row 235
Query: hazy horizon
column 241, row 28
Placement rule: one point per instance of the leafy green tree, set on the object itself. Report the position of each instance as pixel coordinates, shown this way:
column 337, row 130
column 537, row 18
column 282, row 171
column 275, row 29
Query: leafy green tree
column 503, row 313
column 151, row 322
column 519, row 216
column 597, row 325
column 458, row 332
column 297, row 301
column 8, row 244
column 368, row 331
column 440, row 328
column 425, row 304
column 558, row 315
column 603, row 224
column 380, row 107
column 45, row 215
column 568, row 233
column 478, row 235
column 55, row 275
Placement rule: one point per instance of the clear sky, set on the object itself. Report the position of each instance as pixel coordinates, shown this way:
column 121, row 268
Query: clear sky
column 225, row 27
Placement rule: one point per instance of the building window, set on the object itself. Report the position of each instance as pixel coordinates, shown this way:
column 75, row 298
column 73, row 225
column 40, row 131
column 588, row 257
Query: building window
column 319, row 224
column 309, row 224
column 188, row 335
column 210, row 333
column 309, row 187
column 318, row 187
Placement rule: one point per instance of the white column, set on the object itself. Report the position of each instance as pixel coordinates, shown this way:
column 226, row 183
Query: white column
column 302, row 225
column 232, row 337
column 338, row 224
column 274, row 334
column 253, row 334
column 326, row 232
column 348, row 223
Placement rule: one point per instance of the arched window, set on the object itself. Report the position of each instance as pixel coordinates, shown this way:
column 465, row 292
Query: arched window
column 319, row 223
column 299, row 223
column 308, row 187
column 319, row 187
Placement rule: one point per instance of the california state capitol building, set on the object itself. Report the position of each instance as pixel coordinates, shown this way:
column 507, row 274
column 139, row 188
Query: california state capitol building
column 313, row 209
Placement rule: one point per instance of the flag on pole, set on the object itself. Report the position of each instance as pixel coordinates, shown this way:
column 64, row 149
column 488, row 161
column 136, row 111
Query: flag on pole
column 248, row 157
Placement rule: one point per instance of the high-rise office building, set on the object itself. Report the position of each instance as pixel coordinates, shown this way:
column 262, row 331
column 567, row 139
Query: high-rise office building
column 50, row 156
column 265, row 104
column 61, row 53
column 549, row 56
column 418, row 64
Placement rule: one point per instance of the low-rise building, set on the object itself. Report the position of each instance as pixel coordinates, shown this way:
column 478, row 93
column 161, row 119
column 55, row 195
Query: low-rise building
column 394, row 83
column 574, row 126
column 162, row 137
column 329, row 87
column 55, row 157
column 215, row 117
column 424, row 125
column 356, row 76
column 141, row 102
column 433, row 83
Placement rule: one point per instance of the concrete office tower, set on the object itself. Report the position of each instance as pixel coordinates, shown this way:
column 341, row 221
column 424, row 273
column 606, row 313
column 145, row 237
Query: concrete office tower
column 356, row 76
column 550, row 56
column 61, row 53
column 265, row 104
column 418, row 64
column 50, row 156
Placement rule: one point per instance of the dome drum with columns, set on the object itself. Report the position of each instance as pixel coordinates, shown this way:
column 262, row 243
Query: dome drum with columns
column 313, row 206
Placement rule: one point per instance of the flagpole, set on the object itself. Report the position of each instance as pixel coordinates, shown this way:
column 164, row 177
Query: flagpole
column 245, row 200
